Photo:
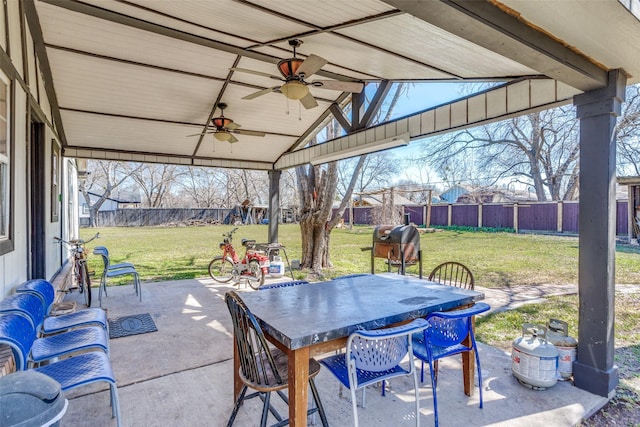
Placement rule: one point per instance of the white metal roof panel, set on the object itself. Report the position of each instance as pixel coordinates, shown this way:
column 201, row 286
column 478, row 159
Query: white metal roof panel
column 146, row 11
column 227, row 16
column 119, row 88
column 97, row 36
column 327, row 13
column 431, row 45
column 124, row 134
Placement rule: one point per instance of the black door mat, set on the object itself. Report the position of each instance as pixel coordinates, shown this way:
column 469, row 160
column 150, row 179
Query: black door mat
column 131, row 325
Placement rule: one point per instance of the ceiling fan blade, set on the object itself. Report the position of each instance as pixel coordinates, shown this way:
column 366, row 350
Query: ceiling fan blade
column 198, row 134
column 249, row 132
column 309, row 101
column 233, row 125
column 311, row 65
column 354, row 87
column 232, row 139
column 261, row 92
column 257, row 73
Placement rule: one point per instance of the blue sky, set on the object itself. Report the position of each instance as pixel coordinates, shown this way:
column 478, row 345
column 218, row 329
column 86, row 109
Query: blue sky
column 421, row 96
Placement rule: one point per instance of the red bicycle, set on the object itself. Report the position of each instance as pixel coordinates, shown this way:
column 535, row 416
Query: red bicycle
column 253, row 267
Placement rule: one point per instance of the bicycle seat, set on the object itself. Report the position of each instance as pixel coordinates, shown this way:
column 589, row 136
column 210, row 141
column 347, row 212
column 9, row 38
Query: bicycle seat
column 247, row 242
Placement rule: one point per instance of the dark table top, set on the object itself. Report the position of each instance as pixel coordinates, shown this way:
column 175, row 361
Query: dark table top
column 299, row 316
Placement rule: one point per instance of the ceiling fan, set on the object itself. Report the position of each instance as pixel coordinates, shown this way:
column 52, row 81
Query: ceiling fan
column 224, row 127
column 294, row 71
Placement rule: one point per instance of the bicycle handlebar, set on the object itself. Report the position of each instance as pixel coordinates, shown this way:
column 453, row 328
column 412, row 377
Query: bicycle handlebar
column 230, row 233
column 76, row 242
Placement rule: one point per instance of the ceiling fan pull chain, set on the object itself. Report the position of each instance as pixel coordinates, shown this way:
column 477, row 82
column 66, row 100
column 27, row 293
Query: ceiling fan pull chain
column 299, row 112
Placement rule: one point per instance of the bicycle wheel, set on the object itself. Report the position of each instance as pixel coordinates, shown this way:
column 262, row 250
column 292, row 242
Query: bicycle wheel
column 255, row 278
column 85, row 283
column 221, row 269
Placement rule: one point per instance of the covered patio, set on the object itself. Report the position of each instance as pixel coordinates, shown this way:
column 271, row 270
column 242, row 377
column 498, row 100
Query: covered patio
column 182, row 375
column 144, row 81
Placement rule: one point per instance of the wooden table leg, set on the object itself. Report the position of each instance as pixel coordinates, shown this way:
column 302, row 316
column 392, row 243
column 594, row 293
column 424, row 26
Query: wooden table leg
column 468, row 365
column 298, row 386
column 237, row 383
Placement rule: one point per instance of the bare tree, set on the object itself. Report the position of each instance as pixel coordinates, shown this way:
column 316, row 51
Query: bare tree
column 540, row 149
column 376, row 172
column 201, row 185
column 155, row 181
column 318, row 189
column 104, row 177
column 628, row 134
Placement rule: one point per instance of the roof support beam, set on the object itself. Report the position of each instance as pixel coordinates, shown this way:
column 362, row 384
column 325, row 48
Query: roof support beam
column 340, row 117
column 38, row 41
column 502, row 31
column 171, row 159
column 375, row 105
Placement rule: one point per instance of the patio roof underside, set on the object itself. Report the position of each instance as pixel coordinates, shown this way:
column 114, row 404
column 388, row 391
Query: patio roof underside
column 133, row 80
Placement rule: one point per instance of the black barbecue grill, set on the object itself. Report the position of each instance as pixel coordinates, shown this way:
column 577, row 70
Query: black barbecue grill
column 399, row 245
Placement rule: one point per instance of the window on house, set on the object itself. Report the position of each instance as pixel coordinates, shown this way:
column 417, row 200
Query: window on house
column 5, row 166
column 85, row 209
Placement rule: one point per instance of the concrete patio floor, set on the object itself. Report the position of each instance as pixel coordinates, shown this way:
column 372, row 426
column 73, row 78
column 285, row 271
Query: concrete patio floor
column 181, row 375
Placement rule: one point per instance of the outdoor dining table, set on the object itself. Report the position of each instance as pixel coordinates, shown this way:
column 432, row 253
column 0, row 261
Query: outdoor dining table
column 309, row 320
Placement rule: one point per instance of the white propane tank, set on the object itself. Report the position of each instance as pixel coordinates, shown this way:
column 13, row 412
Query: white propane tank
column 276, row 268
column 558, row 335
column 534, row 361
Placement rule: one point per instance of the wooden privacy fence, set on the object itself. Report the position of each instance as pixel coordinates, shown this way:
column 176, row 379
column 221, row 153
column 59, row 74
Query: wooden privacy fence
column 150, row 217
column 557, row 217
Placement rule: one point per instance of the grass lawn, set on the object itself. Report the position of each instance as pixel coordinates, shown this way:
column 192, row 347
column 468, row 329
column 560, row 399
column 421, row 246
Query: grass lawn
column 497, row 260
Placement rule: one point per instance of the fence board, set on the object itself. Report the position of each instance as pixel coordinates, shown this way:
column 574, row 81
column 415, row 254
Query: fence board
column 155, row 217
column 415, row 214
column 570, row 217
column 464, row 215
column 538, row 216
column 497, row 216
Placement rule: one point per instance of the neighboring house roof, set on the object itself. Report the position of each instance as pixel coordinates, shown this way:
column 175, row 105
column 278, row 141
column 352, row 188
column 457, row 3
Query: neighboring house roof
column 452, row 194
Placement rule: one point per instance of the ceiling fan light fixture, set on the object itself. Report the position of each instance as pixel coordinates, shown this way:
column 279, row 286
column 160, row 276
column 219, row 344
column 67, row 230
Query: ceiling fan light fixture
column 289, row 67
column 222, row 135
column 221, row 122
column 294, row 89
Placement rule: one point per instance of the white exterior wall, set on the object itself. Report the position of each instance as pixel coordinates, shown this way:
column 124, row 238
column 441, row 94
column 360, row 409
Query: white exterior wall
column 28, row 91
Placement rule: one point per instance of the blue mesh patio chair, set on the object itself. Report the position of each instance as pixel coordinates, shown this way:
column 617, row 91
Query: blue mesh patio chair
column 115, row 270
column 373, row 356
column 82, row 369
column 284, row 284
column 53, row 346
column 445, row 337
column 262, row 368
column 53, row 324
column 450, row 273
